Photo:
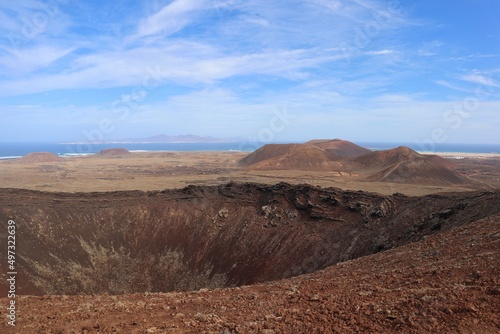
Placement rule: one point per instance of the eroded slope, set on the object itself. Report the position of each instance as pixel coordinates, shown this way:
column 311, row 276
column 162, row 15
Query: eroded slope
column 207, row 237
column 448, row 283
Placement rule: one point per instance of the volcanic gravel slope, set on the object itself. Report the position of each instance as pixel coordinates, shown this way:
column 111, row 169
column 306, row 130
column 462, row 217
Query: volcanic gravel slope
column 120, row 243
column 341, row 148
column 289, row 156
column 212, row 237
column 403, row 165
column 447, row 283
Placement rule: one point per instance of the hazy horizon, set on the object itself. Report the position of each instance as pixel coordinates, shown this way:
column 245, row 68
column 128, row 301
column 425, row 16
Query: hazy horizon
column 243, row 139
column 421, row 144
column 364, row 71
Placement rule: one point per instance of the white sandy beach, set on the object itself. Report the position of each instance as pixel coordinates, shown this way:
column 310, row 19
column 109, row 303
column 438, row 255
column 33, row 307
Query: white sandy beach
column 462, row 155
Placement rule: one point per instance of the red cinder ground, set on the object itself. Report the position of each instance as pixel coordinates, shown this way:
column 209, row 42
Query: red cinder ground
column 446, row 283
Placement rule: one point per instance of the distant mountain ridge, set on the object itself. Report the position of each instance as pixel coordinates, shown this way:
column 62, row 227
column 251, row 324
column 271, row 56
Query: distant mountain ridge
column 163, row 138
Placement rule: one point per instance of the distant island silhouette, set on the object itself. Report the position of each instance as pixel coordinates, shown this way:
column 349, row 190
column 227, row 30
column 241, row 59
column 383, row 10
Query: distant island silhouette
column 162, row 138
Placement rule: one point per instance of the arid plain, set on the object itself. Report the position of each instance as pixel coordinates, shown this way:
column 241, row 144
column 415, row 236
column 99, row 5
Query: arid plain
column 321, row 237
column 172, row 170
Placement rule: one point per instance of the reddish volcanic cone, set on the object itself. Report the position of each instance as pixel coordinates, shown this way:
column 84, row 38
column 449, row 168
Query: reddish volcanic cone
column 289, row 156
column 403, row 165
column 40, row 157
column 342, row 148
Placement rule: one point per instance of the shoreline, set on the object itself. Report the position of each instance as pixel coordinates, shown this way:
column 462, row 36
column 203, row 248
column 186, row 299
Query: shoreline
column 448, row 155
column 462, row 155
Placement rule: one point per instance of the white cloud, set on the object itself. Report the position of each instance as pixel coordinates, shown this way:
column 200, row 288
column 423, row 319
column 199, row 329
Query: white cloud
column 258, row 21
column 480, row 79
column 380, row 52
column 447, row 84
column 232, row 48
column 183, row 63
column 332, row 5
column 25, row 106
column 394, row 98
column 479, row 84
column 429, row 49
column 170, row 19
column 32, row 59
column 239, row 58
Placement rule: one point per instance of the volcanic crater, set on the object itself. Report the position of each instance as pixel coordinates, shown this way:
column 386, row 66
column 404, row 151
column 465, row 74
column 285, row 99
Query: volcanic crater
column 212, row 236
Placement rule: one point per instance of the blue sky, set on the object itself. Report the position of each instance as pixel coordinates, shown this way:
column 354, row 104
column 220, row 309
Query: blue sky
column 294, row 70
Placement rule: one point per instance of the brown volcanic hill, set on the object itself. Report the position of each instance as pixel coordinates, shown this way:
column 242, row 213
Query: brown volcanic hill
column 382, row 159
column 40, row 157
column 403, row 165
column 266, row 152
column 289, row 156
column 440, row 160
column 113, row 152
column 419, row 172
column 341, row 148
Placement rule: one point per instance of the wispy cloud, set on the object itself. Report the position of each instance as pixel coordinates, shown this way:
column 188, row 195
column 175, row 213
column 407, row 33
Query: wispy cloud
column 449, row 85
column 380, row 52
column 20, row 63
column 334, row 6
column 474, row 85
column 480, row 79
column 171, row 18
column 333, row 62
column 181, row 62
column 259, row 44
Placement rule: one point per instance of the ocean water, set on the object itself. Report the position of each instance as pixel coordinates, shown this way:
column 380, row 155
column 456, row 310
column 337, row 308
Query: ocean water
column 435, row 147
column 16, row 150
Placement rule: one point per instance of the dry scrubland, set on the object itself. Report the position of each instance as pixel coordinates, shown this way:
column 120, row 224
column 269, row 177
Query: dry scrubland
column 174, row 170
column 107, row 243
